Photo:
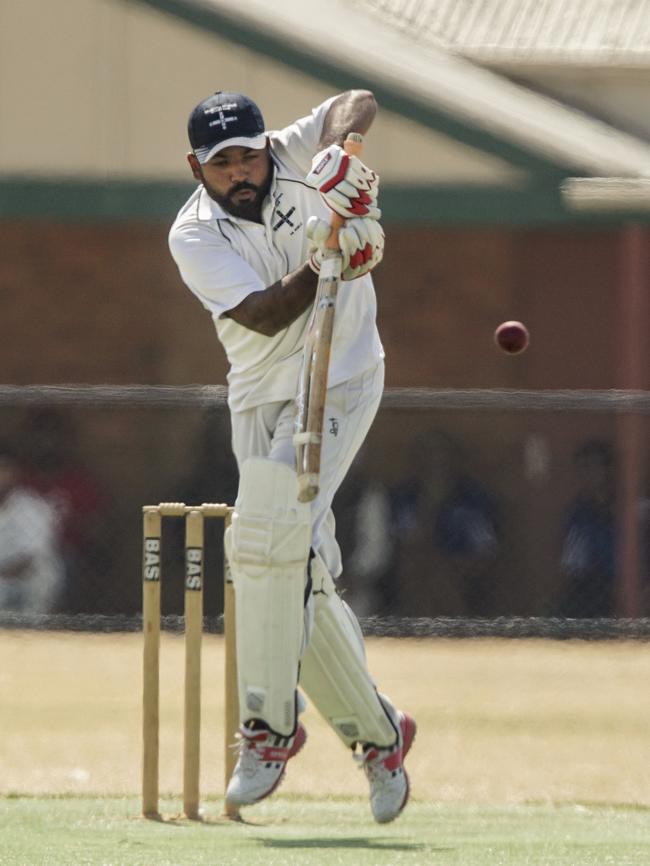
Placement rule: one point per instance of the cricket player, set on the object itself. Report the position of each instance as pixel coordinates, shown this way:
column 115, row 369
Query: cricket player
column 248, row 243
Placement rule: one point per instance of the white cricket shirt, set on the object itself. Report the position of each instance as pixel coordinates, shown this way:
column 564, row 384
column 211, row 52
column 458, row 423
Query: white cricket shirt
column 222, row 259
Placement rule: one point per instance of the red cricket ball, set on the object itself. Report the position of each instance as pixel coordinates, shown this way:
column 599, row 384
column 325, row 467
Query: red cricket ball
column 512, row 337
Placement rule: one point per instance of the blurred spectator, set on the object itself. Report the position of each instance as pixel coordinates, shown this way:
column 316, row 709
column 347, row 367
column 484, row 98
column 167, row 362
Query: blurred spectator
column 589, row 538
column 445, row 529
column 51, row 468
column 363, row 518
column 31, row 568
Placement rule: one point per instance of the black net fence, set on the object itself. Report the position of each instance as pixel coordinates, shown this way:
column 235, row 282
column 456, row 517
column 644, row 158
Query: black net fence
column 514, row 513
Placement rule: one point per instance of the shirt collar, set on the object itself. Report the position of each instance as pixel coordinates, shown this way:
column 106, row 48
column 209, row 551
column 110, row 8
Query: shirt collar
column 209, row 209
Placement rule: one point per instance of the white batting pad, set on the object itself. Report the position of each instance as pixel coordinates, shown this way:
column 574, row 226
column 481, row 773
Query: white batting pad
column 268, row 548
column 334, row 674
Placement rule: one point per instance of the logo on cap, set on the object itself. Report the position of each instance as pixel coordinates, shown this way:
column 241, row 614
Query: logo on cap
column 223, row 121
column 223, row 118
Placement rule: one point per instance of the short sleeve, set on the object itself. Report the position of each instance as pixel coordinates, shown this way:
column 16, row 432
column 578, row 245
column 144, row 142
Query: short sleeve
column 215, row 273
column 299, row 141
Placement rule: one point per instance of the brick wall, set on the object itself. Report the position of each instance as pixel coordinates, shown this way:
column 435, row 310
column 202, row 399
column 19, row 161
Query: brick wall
column 104, row 303
column 99, row 303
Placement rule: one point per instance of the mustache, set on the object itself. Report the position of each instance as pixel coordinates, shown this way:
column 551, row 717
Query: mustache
column 239, row 187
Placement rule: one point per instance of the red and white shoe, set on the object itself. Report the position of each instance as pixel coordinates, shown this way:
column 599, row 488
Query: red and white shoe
column 261, row 765
column 384, row 769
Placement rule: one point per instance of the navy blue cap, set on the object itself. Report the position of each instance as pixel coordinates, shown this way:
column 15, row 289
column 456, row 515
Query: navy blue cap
column 225, row 120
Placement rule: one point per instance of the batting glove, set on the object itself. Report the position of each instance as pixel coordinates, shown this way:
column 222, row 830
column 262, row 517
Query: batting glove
column 361, row 242
column 347, row 186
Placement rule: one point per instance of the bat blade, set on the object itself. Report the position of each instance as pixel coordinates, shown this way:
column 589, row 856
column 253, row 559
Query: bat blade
column 312, row 390
column 313, row 380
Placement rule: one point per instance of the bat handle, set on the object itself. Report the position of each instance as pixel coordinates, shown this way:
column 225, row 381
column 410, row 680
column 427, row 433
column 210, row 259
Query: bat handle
column 353, row 146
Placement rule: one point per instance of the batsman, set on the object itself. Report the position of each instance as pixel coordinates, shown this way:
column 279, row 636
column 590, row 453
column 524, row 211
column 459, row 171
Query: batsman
column 249, row 244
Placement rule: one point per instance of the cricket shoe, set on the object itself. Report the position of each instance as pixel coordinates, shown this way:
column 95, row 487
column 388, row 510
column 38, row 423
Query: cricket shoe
column 384, row 769
column 262, row 761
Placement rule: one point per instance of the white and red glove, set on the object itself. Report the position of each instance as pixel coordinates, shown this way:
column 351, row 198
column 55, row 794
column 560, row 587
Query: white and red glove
column 361, row 242
column 348, row 186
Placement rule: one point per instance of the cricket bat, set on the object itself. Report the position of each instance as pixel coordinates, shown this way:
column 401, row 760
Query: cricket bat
column 312, row 388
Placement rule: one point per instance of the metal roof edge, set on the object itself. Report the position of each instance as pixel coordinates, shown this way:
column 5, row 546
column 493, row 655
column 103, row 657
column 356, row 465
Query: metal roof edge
column 524, row 142
column 446, row 93
column 595, row 33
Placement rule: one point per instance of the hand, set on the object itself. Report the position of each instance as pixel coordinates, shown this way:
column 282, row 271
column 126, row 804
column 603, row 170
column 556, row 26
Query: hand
column 348, row 186
column 361, row 242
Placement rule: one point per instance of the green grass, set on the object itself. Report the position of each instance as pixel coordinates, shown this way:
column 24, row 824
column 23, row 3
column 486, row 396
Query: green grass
column 288, row 831
column 527, row 723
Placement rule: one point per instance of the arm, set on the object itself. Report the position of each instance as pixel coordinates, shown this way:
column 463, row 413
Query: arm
column 274, row 308
column 228, row 287
column 347, row 186
column 353, row 111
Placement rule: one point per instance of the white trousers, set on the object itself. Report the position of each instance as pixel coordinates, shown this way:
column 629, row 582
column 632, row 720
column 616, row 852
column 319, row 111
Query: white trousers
column 267, row 431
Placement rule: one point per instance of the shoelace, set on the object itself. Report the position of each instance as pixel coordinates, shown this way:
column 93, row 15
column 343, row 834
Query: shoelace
column 240, row 743
column 247, row 748
column 372, row 761
column 243, row 744
column 258, row 748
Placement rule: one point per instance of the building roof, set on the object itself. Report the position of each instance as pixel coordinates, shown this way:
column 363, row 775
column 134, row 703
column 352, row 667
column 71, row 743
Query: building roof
column 415, row 78
column 599, row 33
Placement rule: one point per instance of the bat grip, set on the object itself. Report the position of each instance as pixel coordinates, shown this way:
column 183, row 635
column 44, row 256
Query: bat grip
column 353, row 146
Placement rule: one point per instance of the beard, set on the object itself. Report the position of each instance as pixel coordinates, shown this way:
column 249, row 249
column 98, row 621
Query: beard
column 248, row 207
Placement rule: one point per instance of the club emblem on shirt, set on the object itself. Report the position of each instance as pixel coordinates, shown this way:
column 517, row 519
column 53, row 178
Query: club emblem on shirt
column 284, row 218
column 334, row 426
